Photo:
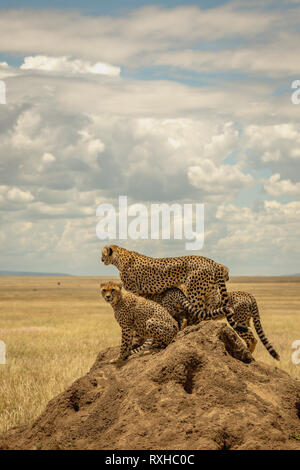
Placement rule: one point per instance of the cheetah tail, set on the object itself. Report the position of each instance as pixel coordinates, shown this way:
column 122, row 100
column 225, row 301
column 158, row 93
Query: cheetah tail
column 259, row 331
column 229, row 317
column 224, row 302
column 228, row 312
column 147, row 345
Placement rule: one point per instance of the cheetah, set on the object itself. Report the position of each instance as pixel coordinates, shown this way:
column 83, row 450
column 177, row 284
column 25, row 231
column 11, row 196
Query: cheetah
column 195, row 276
column 148, row 319
column 244, row 307
column 176, row 303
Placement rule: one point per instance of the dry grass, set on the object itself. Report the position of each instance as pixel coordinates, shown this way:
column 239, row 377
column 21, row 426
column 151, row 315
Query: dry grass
column 279, row 307
column 54, row 332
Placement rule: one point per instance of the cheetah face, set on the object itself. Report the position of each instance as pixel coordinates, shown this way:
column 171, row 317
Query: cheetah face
column 111, row 291
column 108, row 254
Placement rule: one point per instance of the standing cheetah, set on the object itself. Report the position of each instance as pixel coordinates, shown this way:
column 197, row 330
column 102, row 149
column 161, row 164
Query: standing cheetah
column 176, row 303
column 244, row 308
column 195, row 276
column 178, row 306
column 137, row 314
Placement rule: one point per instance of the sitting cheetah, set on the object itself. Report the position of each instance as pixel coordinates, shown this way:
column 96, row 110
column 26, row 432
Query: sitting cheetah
column 243, row 304
column 133, row 313
column 195, row 276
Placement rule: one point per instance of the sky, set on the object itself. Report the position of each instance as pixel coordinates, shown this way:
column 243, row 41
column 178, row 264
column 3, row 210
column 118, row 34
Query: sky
column 161, row 101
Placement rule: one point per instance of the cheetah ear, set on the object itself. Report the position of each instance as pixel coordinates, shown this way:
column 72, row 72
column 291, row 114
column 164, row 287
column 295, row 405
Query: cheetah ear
column 107, row 251
column 120, row 284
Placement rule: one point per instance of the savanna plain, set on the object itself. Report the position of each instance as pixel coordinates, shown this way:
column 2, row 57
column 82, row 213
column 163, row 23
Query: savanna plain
column 53, row 328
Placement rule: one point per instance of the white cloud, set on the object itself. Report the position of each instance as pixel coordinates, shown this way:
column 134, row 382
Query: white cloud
column 271, row 156
column 67, row 145
column 276, row 187
column 267, row 136
column 46, row 161
column 264, row 239
column 222, row 143
column 155, row 36
column 7, row 71
column 152, row 98
column 268, row 213
column 65, row 64
column 15, row 195
column 122, row 39
column 275, row 58
column 48, row 158
column 276, row 147
column 26, row 132
column 92, row 146
column 221, row 180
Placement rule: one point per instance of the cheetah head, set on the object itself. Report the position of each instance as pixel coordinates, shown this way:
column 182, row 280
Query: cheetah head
column 108, row 254
column 111, row 291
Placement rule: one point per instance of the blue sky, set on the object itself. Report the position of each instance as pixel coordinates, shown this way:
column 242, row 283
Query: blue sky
column 105, row 8
column 161, row 101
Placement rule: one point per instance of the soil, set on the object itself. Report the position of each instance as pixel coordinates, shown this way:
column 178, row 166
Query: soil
column 204, row 391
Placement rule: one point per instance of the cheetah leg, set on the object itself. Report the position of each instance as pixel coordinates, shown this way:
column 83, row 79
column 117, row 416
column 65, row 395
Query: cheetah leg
column 249, row 339
column 199, row 286
column 126, row 343
column 252, row 346
column 226, row 308
column 161, row 333
column 137, row 341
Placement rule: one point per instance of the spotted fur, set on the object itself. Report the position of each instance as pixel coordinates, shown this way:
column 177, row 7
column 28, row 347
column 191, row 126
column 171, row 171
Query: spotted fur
column 245, row 307
column 195, row 276
column 148, row 319
column 174, row 301
column 243, row 304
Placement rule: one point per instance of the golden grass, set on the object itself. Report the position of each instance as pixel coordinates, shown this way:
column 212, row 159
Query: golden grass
column 54, row 332
column 279, row 308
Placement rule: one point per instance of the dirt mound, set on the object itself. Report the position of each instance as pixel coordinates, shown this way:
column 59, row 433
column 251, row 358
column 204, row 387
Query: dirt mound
column 203, row 392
